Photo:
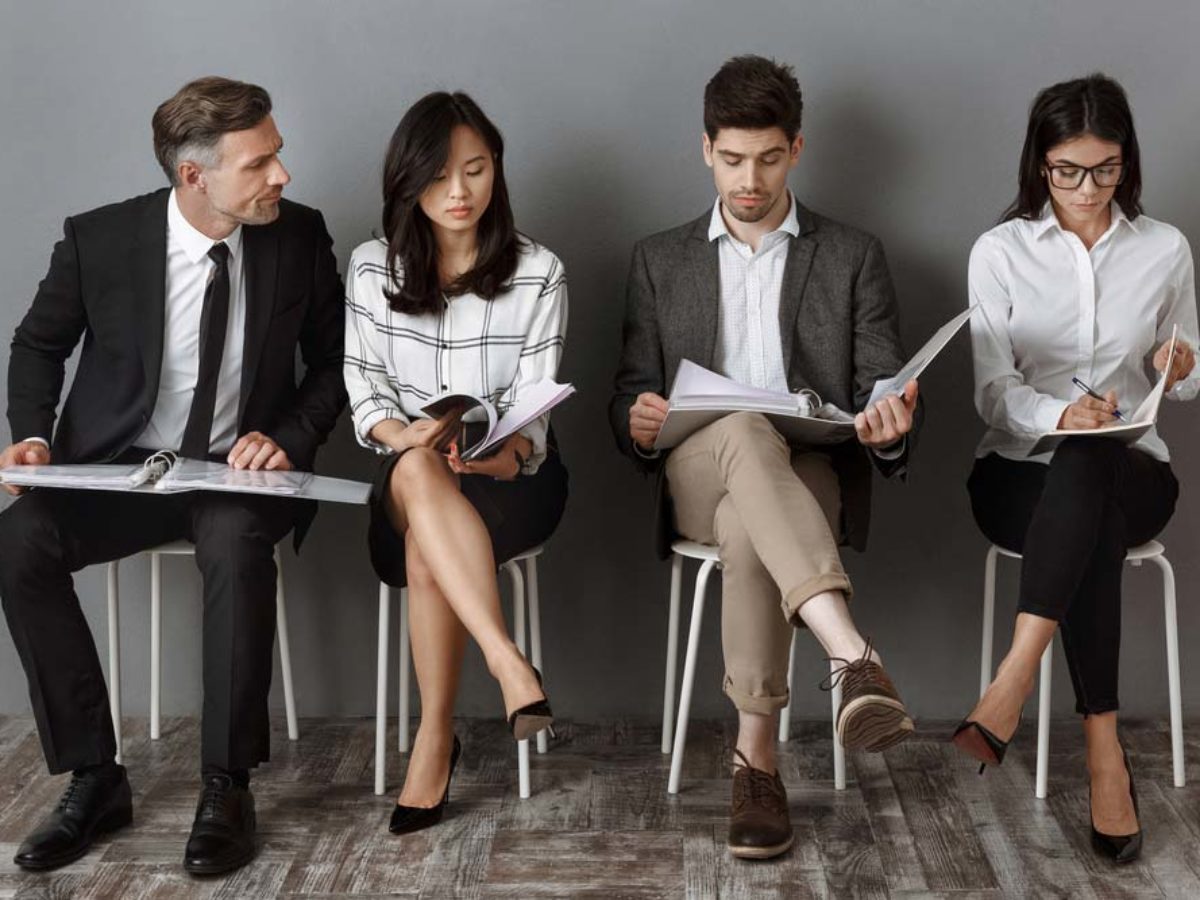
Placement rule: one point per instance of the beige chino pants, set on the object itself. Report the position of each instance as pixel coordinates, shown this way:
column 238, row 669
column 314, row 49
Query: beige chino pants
column 773, row 512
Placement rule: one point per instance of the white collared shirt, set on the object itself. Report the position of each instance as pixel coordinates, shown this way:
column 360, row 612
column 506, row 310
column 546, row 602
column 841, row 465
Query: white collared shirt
column 188, row 271
column 749, row 348
column 1050, row 309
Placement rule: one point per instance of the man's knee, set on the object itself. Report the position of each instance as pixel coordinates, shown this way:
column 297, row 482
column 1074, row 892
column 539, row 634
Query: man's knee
column 29, row 537
column 1088, row 457
column 239, row 531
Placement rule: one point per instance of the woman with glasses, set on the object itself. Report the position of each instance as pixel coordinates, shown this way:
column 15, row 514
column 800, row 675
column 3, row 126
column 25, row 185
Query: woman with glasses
column 1078, row 292
column 453, row 299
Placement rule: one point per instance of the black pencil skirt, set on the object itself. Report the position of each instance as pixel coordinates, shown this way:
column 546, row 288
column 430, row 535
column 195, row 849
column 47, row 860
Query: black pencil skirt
column 518, row 514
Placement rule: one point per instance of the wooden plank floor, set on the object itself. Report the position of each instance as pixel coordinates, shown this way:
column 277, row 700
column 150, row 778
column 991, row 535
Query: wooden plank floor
column 914, row 822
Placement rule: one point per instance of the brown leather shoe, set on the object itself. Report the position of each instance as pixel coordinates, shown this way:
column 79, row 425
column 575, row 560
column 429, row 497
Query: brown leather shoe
column 872, row 716
column 759, row 825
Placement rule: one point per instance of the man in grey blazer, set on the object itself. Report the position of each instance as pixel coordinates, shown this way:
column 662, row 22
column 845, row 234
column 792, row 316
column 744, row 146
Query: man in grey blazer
column 772, row 295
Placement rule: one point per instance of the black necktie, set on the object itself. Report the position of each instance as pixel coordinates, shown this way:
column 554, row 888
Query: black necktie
column 213, row 320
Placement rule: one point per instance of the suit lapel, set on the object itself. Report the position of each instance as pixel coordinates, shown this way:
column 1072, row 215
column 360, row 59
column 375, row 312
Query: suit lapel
column 261, row 246
column 795, row 277
column 149, row 267
column 701, row 323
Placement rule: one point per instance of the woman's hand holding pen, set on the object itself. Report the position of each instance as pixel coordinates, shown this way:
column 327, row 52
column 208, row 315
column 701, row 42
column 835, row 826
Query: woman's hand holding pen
column 1089, row 412
column 1182, row 362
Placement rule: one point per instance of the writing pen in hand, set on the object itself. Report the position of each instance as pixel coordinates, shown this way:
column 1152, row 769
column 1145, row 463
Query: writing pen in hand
column 1087, row 390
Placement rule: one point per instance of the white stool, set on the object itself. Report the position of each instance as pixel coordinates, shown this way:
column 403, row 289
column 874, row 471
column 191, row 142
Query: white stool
column 535, row 641
column 709, row 560
column 1156, row 553
column 180, row 548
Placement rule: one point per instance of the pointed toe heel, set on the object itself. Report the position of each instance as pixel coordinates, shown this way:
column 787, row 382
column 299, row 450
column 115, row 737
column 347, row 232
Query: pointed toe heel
column 1120, row 848
column 979, row 743
column 532, row 717
column 406, row 819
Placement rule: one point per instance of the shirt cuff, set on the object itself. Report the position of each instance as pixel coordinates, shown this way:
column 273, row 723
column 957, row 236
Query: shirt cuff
column 364, row 424
column 37, row 440
column 892, row 451
column 645, row 454
column 1048, row 414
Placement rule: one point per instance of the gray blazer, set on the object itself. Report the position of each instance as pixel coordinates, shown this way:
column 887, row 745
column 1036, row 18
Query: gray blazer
column 838, row 326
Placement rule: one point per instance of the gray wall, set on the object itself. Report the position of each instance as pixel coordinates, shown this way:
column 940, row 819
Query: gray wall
column 914, row 118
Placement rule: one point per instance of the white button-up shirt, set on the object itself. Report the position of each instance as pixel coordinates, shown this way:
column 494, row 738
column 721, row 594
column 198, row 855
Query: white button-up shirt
column 189, row 269
column 748, row 348
column 1050, row 309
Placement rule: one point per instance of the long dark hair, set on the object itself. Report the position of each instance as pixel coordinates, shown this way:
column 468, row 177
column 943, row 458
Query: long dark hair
column 415, row 155
column 1094, row 105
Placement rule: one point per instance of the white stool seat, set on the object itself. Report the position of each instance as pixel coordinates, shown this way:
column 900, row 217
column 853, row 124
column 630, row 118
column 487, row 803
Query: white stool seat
column 181, row 548
column 519, row 595
column 1135, row 556
column 709, row 558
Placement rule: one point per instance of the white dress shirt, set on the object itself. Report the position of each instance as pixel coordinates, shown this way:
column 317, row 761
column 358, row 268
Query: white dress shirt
column 491, row 349
column 188, row 272
column 1050, row 309
column 749, row 349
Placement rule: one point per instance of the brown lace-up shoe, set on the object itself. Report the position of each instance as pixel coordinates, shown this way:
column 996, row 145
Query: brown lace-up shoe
column 759, row 825
column 872, row 716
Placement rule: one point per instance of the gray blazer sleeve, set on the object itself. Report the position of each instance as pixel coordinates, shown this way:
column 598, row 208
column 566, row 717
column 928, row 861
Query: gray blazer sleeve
column 641, row 366
column 877, row 349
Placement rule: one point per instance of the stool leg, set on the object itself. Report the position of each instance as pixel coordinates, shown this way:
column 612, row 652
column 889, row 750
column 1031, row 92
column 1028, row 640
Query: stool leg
column 114, row 654
column 1043, row 735
column 672, row 654
column 535, row 634
column 381, row 690
column 285, row 652
column 989, row 619
column 1172, row 636
column 405, row 673
column 689, row 675
column 785, row 715
column 839, row 752
column 155, row 645
column 518, row 599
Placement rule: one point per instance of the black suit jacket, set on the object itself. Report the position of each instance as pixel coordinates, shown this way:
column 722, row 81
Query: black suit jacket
column 838, row 327
column 107, row 285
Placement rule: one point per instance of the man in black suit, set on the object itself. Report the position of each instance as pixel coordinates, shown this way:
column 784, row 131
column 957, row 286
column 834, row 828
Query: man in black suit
column 190, row 302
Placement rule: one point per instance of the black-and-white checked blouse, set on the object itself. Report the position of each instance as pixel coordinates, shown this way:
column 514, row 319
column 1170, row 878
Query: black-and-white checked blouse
column 491, row 349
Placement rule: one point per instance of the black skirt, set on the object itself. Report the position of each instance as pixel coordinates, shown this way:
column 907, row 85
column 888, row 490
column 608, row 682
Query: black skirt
column 518, row 514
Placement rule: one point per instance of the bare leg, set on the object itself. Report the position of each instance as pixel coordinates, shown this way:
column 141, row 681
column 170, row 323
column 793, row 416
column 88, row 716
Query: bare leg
column 756, row 739
column 438, row 643
column 999, row 709
column 454, row 544
column 1112, row 805
column 827, row 616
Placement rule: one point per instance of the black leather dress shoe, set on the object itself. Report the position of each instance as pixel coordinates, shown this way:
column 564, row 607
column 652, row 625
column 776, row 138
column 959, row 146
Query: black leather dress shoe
column 222, row 837
column 92, row 804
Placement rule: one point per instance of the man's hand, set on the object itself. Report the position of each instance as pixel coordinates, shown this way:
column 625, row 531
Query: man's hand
column 888, row 420
column 646, row 417
column 504, row 464
column 1088, row 412
column 1182, row 362
column 24, row 453
column 257, row 451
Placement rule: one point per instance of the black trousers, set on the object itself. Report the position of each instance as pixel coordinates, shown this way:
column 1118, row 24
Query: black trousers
column 1072, row 521
column 48, row 534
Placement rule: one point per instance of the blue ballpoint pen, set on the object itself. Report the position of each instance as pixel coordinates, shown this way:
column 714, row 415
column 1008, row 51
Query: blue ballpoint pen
column 1087, row 390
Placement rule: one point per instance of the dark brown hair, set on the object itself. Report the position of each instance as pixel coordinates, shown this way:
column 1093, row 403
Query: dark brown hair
column 1094, row 105
column 416, row 154
column 753, row 92
column 189, row 125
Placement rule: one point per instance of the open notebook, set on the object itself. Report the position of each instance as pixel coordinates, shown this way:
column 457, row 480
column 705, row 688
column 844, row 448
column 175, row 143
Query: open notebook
column 167, row 473
column 699, row 397
column 1129, row 432
column 483, row 428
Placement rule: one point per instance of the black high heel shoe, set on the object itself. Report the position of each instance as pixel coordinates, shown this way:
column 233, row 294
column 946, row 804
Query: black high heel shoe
column 532, row 717
column 964, row 739
column 406, row 819
column 1120, row 848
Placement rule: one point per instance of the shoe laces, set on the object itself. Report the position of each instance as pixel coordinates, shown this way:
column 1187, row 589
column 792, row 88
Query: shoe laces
column 77, row 793
column 756, row 787
column 214, row 797
column 851, row 671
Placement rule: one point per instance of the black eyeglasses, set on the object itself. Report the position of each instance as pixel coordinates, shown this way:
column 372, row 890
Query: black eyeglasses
column 1105, row 175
